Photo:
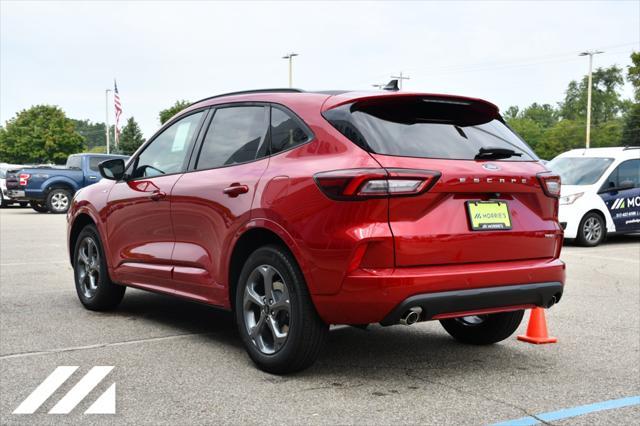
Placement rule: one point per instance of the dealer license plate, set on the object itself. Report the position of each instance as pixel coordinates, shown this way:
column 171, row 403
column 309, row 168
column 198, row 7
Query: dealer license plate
column 489, row 215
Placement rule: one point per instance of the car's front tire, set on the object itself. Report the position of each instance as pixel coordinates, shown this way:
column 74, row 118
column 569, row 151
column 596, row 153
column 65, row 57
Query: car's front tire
column 59, row 200
column 592, row 230
column 483, row 329
column 276, row 318
column 93, row 285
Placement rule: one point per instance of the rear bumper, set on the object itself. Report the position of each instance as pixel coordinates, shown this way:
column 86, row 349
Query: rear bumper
column 491, row 299
column 371, row 296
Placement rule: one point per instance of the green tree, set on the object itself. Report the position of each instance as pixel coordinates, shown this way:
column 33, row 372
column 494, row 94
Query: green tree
column 633, row 74
column 565, row 135
column 130, row 137
column 606, row 103
column 544, row 115
column 528, row 129
column 631, row 130
column 166, row 114
column 40, row 134
column 511, row 113
column 93, row 133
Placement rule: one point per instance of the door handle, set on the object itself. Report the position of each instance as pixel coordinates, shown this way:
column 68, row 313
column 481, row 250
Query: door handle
column 236, row 189
column 93, row 177
column 157, row 195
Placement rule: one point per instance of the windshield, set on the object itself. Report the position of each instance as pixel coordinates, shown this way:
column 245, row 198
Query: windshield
column 427, row 128
column 579, row 170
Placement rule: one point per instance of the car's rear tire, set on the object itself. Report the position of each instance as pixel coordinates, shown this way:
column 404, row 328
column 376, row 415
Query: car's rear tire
column 95, row 289
column 40, row 208
column 276, row 319
column 483, row 329
column 59, row 200
column 592, row 230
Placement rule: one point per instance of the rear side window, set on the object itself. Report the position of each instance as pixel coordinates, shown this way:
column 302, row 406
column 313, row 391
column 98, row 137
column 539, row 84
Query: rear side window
column 426, row 128
column 74, row 162
column 236, row 135
column 94, row 161
column 286, row 131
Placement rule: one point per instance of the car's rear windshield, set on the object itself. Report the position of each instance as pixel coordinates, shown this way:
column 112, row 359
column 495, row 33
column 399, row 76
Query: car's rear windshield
column 579, row 170
column 427, row 128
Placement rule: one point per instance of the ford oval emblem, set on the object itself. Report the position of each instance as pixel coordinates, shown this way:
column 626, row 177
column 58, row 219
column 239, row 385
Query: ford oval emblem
column 490, row 166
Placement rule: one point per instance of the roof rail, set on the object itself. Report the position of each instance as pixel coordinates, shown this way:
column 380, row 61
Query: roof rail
column 248, row 92
column 630, row 147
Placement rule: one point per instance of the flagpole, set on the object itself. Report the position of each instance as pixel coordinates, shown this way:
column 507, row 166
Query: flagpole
column 106, row 121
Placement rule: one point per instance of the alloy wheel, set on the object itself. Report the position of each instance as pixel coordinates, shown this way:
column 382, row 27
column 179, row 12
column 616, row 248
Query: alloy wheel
column 59, row 201
column 592, row 229
column 267, row 309
column 88, row 267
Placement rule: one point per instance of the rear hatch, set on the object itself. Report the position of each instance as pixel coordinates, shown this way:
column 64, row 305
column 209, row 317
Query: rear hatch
column 493, row 201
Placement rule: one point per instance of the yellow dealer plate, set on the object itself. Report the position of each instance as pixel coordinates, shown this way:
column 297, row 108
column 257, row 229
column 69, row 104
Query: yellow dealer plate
column 489, row 215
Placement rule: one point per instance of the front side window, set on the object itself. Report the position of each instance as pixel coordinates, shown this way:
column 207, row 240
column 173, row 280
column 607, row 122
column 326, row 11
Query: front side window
column 95, row 161
column 166, row 154
column 626, row 175
column 579, row 170
column 286, row 131
column 236, row 135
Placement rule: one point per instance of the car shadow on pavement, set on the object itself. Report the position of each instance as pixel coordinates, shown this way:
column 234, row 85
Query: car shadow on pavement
column 351, row 353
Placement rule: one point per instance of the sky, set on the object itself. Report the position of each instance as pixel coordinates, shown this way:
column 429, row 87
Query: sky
column 508, row 52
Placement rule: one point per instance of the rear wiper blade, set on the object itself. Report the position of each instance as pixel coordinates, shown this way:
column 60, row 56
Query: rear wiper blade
column 496, row 153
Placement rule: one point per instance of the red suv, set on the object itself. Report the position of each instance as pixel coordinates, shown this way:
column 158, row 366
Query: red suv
column 296, row 210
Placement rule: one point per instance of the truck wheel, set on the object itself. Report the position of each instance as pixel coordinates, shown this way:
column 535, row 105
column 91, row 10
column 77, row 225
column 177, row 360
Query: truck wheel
column 591, row 231
column 276, row 319
column 483, row 329
column 95, row 289
column 40, row 208
column 58, row 200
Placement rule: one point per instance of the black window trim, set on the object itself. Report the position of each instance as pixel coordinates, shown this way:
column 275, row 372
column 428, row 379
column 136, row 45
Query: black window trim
column 168, row 124
column 269, row 105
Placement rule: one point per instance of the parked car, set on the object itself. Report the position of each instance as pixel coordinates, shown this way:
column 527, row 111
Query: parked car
column 297, row 210
column 5, row 200
column 600, row 192
column 50, row 189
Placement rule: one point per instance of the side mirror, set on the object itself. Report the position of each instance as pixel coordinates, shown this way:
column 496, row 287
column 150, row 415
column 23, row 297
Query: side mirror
column 112, row 169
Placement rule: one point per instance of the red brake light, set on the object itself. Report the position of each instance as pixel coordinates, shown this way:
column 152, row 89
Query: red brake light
column 360, row 184
column 550, row 184
column 24, row 178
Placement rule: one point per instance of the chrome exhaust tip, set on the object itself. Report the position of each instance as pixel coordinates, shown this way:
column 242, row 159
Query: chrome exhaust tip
column 411, row 316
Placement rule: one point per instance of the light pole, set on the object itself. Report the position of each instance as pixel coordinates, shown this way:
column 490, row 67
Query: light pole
column 290, row 56
column 106, row 121
column 590, row 54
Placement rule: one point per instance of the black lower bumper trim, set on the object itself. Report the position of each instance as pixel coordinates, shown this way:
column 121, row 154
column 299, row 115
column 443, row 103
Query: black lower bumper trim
column 446, row 302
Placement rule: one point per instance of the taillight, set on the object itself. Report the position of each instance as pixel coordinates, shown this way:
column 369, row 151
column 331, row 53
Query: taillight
column 550, row 184
column 359, row 184
column 24, row 178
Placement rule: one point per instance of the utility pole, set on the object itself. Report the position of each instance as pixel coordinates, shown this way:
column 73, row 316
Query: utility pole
column 590, row 54
column 106, row 121
column 400, row 78
column 290, row 56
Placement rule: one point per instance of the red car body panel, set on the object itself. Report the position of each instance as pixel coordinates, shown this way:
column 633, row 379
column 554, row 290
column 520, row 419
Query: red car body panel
column 360, row 259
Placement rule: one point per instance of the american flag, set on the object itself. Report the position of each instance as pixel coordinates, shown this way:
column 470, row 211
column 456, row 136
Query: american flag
column 118, row 106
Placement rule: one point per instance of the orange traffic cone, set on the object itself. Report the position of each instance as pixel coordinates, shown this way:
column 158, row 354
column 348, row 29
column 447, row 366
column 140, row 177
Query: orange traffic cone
column 537, row 329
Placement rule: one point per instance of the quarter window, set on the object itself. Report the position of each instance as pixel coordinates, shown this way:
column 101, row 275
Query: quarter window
column 166, row 154
column 236, row 135
column 286, row 132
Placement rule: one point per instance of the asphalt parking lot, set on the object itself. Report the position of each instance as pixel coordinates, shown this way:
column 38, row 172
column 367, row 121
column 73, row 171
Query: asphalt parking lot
column 181, row 363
